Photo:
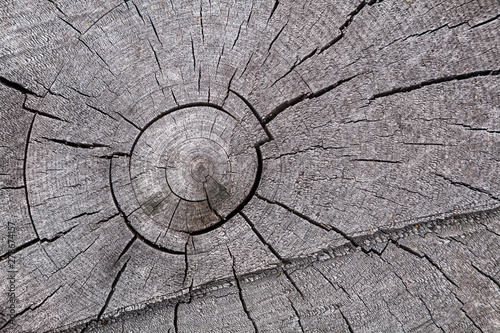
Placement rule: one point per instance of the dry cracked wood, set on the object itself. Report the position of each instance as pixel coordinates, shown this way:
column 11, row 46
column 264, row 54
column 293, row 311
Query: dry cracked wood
column 193, row 166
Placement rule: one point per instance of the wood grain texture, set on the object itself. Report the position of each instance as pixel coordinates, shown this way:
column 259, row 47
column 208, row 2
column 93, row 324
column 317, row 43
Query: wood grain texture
column 222, row 166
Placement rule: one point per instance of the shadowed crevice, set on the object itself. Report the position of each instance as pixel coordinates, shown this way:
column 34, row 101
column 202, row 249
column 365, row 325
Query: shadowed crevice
column 464, row 76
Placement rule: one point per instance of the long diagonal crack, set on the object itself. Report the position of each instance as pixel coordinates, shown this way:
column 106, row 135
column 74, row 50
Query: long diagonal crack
column 430, row 82
column 485, row 22
column 297, row 63
column 261, row 238
column 295, row 212
column 276, row 3
column 186, row 261
column 310, row 220
column 17, row 86
column 346, row 24
column 126, row 248
column 470, row 187
column 256, row 114
column 429, row 31
column 342, row 29
column 78, row 144
column 297, row 99
column 349, row 327
column 273, row 251
column 111, row 292
column 466, row 314
column 435, row 225
column 34, row 241
column 430, row 314
column 240, row 293
column 30, row 308
column 490, row 277
column 429, row 260
column 297, row 315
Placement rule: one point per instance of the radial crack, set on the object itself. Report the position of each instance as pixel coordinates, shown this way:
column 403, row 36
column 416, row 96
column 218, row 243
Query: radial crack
column 199, row 79
column 126, row 248
column 490, row 277
column 17, row 86
column 292, row 282
column 111, row 292
column 296, row 100
column 336, row 287
column 12, row 187
column 261, row 238
column 430, row 82
column 375, row 160
column 293, row 211
column 176, row 317
column 470, row 318
column 246, row 65
column 430, row 314
column 255, row 113
column 297, row 63
column 186, row 261
column 138, row 12
column 156, row 56
column 346, row 321
column 309, row 149
column 237, row 36
column 154, row 30
column 102, row 16
column 106, row 219
column 176, row 308
column 78, row 144
column 58, row 235
column 19, row 248
column 297, row 315
column 212, row 209
column 229, row 87
column 57, row 7
column 72, row 259
column 113, row 155
column 276, row 37
column 192, row 52
column 81, row 215
column 130, row 122
column 31, row 308
column 346, row 24
column 26, row 92
column 240, row 293
column 470, row 187
column 276, row 3
column 173, row 96
column 220, row 57
column 100, row 111
column 350, row 239
column 71, row 25
column 402, row 39
column 201, row 23
column 426, row 257
column 485, row 22
column 470, row 128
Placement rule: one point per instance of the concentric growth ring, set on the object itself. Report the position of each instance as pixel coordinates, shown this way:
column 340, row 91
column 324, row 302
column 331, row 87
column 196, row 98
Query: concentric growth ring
column 190, row 170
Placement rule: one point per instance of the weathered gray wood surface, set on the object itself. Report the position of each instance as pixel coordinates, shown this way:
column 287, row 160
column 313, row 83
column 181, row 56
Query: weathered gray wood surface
column 194, row 166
